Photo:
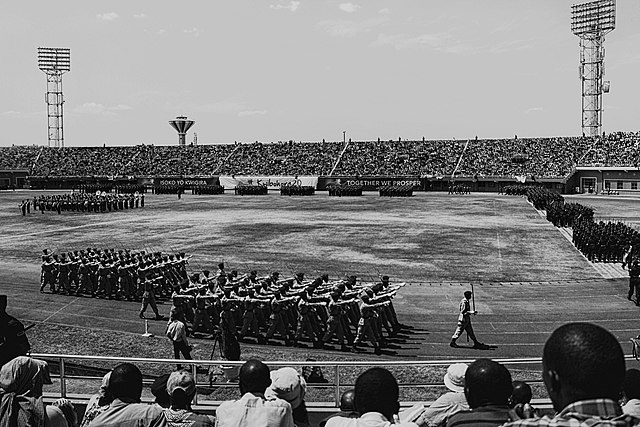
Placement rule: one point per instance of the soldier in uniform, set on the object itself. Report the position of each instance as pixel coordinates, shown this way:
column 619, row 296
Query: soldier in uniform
column 366, row 324
column 335, row 323
column 306, row 321
column 48, row 274
column 278, row 316
column 149, row 298
column 464, row 322
column 634, row 281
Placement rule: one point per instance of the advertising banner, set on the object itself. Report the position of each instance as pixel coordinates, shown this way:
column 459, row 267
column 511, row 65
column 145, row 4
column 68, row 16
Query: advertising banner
column 186, row 182
column 370, row 183
column 272, row 182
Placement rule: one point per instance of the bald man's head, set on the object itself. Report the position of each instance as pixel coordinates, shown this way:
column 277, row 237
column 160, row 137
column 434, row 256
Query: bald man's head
column 254, row 377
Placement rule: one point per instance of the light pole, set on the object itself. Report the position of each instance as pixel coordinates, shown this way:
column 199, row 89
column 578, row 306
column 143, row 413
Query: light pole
column 344, row 136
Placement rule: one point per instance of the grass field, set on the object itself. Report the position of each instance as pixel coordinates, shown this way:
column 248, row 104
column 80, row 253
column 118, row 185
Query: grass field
column 528, row 278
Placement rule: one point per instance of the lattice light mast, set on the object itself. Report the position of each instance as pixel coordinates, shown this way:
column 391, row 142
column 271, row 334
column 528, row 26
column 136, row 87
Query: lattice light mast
column 182, row 125
column 54, row 61
column 591, row 22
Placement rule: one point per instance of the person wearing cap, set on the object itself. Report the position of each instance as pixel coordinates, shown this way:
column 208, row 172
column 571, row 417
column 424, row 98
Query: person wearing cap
column 287, row 384
column 464, row 322
column 181, row 388
column 449, row 403
column 13, row 340
column 254, row 408
column 366, row 323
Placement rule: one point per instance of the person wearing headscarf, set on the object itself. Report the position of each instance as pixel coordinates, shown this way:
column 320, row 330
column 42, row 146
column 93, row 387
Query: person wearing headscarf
column 21, row 405
column 99, row 402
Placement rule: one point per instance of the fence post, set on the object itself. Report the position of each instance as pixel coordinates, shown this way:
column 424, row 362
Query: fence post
column 63, row 380
column 337, row 386
column 194, row 372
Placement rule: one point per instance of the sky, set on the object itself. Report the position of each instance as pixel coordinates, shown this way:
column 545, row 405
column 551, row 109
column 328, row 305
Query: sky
column 307, row 70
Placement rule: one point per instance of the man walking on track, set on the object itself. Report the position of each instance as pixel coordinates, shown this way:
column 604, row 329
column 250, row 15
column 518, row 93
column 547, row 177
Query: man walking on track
column 464, row 322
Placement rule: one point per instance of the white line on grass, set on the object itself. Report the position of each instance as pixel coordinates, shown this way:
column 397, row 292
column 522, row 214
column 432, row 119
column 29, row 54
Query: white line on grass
column 61, row 308
column 495, row 212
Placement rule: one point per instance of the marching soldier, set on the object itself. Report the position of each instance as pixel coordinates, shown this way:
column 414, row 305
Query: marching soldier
column 336, row 319
column 366, row 324
column 305, row 322
column 464, row 322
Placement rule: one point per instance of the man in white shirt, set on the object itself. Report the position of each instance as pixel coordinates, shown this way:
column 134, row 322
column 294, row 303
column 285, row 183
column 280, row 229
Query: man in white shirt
column 177, row 333
column 376, row 400
column 253, row 409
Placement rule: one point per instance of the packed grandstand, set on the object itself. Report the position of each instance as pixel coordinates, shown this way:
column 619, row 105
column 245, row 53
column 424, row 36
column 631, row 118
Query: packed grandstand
column 539, row 157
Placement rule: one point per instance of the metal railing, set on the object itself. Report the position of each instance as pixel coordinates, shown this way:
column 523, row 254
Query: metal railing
column 340, row 370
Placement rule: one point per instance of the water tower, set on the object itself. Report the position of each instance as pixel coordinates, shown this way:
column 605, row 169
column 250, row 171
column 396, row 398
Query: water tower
column 182, row 125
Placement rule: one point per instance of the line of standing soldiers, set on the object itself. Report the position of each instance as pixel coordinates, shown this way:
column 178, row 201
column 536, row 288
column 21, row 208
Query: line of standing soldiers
column 110, row 274
column 83, row 202
column 294, row 309
column 395, row 190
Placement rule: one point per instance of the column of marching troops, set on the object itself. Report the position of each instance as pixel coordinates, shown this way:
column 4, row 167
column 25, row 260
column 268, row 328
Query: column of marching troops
column 598, row 241
column 292, row 309
column 82, row 202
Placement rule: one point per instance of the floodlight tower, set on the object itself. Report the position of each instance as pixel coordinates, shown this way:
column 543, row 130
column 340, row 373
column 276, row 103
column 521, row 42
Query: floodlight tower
column 54, row 61
column 591, row 22
column 182, row 125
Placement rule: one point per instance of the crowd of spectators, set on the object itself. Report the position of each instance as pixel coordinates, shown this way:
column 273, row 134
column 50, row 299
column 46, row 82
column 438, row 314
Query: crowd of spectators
column 583, row 371
column 538, row 157
column 614, row 149
column 422, row 158
column 283, row 158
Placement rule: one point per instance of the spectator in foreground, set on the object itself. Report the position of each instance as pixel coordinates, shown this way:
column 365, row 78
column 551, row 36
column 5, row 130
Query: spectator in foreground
column 125, row 384
column 159, row 391
column 583, row 370
column 99, row 402
column 449, row 403
column 376, row 397
column 347, row 407
column 520, row 400
column 631, row 392
column 488, row 389
column 13, row 340
column 21, row 381
column 287, row 384
column 181, row 388
column 253, row 408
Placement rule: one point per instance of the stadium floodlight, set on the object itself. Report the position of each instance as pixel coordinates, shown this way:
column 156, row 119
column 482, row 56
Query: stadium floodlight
column 182, row 125
column 591, row 22
column 54, row 62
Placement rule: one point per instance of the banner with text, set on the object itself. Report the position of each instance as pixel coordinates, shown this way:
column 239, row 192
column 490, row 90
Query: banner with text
column 370, row 183
column 186, row 182
column 272, row 182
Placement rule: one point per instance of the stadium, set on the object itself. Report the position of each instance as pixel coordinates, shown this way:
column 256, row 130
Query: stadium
column 544, row 230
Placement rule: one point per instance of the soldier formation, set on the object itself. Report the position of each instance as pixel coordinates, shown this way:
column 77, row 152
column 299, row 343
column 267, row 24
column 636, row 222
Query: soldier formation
column 459, row 188
column 297, row 190
column 251, row 190
column 598, row 241
column 262, row 308
column 100, row 202
column 344, row 190
column 396, row 190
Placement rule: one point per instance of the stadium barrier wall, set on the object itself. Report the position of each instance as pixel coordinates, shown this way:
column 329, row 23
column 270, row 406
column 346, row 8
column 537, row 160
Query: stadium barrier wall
column 271, row 181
